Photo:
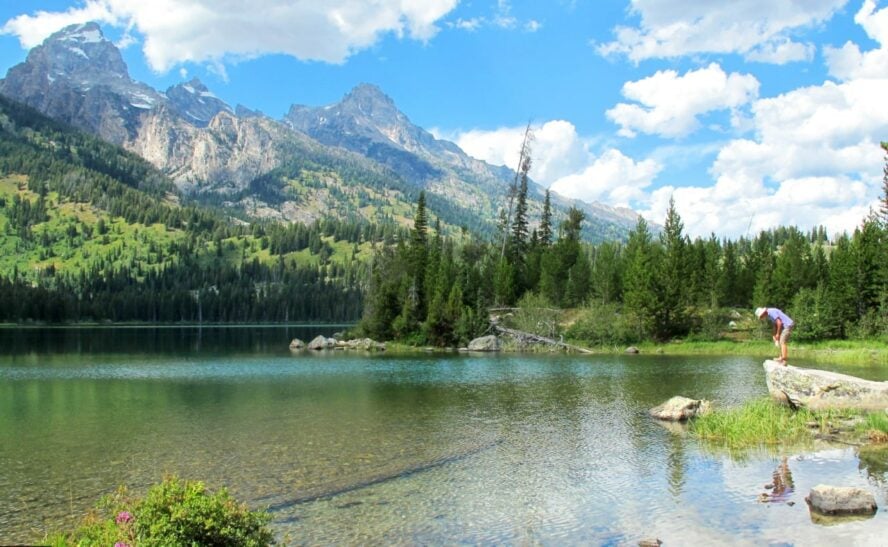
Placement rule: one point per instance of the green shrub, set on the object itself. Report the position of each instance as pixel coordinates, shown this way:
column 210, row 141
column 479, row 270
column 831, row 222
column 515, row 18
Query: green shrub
column 813, row 316
column 709, row 325
column 605, row 324
column 174, row 512
column 536, row 314
column 873, row 324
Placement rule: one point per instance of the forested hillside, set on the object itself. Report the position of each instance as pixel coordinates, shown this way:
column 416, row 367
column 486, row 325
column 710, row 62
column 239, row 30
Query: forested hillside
column 89, row 232
column 654, row 287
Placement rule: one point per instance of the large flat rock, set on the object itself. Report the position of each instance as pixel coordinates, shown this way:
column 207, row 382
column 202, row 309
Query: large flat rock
column 815, row 389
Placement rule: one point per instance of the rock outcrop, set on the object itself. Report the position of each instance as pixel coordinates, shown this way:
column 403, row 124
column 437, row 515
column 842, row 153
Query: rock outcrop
column 841, row 500
column 321, row 342
column 297, row 345
column 365, row 344
column 679, row 408
column 800, row 387
column 485, row 343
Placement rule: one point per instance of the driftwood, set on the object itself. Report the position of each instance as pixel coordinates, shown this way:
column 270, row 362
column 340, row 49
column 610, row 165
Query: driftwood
column 816, row 389
column 536, row 338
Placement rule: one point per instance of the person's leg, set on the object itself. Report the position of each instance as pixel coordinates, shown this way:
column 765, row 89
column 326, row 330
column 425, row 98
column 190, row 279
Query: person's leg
column 784, row 338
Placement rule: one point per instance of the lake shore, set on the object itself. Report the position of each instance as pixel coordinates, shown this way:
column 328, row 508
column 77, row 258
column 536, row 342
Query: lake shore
column 843, row 352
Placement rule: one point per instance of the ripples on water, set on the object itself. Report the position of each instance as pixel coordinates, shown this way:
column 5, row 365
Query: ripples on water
column 354, row 449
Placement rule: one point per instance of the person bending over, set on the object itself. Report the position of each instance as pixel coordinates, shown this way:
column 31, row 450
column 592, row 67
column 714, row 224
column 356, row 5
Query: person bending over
column 783, row 326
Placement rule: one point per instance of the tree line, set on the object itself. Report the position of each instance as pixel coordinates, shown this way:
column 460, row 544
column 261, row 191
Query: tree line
column 655, row 286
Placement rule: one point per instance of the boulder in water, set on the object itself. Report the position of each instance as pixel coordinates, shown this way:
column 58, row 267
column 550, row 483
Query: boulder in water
column 841, row 500
column 322, row 342
column 485, row 343
column 680, row 408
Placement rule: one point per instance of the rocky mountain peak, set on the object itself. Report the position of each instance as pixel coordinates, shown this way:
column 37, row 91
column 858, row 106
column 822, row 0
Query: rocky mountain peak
column 368, row 100
column 195, row 102
column 80, row 53
column 79, row 77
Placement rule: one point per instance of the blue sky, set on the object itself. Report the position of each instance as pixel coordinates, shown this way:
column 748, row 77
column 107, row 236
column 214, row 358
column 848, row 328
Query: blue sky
column 751, row 114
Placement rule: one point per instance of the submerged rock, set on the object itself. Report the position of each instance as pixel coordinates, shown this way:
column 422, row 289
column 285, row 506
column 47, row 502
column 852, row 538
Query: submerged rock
column 801, row 387
column 680, row 408
column 841, row 500
column 297, row 344
column 485, row 343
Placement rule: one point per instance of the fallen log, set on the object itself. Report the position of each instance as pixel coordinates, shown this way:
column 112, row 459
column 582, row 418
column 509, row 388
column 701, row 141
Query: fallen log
column 536, row 338
column 820, row 389
column 395, row 472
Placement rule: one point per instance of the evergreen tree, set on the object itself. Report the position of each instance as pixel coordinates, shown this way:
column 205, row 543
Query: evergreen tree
column 842, row 289
column 414, row 288
column 672, row 278
column 639, row 284
column 545, row 232
column 607, row 272
column 793, row 269
column 883, row 205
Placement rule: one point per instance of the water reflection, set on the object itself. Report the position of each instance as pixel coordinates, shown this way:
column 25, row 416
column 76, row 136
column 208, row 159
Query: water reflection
column 153, row 340
column 377, row 449
column 781, row 486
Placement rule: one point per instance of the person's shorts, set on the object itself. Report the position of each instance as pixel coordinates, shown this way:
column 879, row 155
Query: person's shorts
column 785, row 333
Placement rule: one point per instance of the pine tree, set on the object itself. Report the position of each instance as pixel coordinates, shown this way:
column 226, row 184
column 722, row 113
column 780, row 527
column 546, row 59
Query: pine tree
column 520, row 173
column 639, row 285
column 419, row 250
column 842, row 291
column 672, row 277
column 545, row 232
column 883, row 206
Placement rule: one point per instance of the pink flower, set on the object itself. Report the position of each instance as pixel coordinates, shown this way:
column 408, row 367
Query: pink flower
column 121, row 544
column 124, row 517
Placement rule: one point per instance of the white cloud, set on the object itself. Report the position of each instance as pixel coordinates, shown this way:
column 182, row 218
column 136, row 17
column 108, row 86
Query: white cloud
column 500, row 18
column 557, row 149
column 208, row 31
column 815, row 160
column 848, row 62
column 669, row 104
column 781, row 51
column 758, row 29
column 613, row 178
column 564, row 161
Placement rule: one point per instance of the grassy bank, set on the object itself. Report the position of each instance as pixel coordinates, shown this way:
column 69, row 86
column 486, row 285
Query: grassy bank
column 763, row 421
column 843, row 352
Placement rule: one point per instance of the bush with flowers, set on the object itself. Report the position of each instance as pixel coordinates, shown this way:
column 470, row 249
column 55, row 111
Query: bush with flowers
column 174, row 512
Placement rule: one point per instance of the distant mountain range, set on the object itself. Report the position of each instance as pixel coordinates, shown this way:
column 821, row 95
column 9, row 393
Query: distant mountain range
column 360, row 158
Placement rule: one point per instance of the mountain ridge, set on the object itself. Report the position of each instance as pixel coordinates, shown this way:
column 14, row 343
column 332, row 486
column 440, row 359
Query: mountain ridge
column 214, row 151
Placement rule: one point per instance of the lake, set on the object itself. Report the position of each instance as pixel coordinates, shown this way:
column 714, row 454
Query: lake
column 422, row 449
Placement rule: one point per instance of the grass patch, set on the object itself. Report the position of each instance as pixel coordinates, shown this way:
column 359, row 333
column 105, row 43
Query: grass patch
column 875, row 425
column 863, row 353
column 767, row 422
column 761, row 421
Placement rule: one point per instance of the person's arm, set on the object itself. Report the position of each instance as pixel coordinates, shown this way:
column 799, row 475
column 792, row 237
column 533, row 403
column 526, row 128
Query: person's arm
column 778, row 328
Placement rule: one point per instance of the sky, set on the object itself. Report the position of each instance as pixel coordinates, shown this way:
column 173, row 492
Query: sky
column 750, row 114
